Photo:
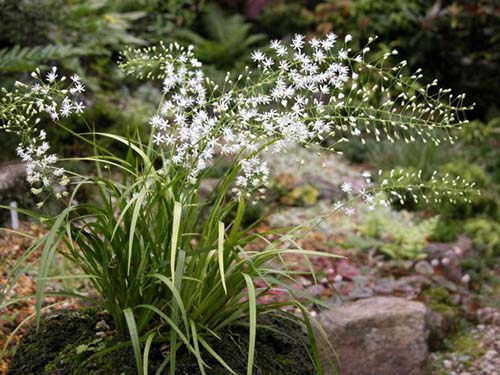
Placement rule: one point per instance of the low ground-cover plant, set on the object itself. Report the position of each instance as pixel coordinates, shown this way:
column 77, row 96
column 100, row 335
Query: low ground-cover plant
column 400, row 235
column 172, row 265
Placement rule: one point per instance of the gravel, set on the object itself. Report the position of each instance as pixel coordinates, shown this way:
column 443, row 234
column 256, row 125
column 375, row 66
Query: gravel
column 487, row 332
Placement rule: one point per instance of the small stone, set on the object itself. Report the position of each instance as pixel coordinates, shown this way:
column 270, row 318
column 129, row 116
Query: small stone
column 385, row 286
column 447, row 364
column 316, row 289
column 330, row 274
column 423, row 267
column 101, row 325
column 346, row 270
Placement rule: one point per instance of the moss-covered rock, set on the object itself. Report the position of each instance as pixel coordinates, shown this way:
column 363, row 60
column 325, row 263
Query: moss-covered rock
column 69, row 342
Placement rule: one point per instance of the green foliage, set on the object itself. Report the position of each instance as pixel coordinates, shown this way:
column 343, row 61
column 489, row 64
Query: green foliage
column 482, row 142
column 75, row 28
column 484, row 204
column 486, row 235
column 446, row 230
column 23, row 59
column 223, row 41
column 282, row 19
column 401, row 236
column 27, row 22
column 368, row 17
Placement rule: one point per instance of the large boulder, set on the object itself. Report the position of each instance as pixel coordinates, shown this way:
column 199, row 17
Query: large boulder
column 376, row 336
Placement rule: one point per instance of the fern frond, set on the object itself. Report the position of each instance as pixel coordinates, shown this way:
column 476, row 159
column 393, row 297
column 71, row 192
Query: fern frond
column 22, row 59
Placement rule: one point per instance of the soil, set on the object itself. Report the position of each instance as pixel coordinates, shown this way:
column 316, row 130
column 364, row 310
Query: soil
column 70, row 342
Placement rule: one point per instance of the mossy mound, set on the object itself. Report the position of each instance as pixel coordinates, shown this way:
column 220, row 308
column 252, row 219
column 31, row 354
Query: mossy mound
column 67, row 344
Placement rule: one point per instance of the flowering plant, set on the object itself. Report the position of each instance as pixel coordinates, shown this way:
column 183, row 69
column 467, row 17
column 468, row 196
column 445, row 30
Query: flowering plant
column 166, row 258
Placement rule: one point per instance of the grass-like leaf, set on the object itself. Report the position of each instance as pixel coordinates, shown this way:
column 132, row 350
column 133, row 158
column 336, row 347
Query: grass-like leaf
column 252, row 305
column 134, row 337
column 220, row 253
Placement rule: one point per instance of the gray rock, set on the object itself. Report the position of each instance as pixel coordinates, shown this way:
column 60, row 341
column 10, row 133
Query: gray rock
column 423, row 267
column 11, row 177
column 376, row 336
column 385, row 286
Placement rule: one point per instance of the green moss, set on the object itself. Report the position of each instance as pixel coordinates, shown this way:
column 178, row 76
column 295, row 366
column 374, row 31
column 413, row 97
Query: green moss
column 439, row 300
column 464, row 343
column 438, row 295
column 450, row 314
column 38, row 349
column 67, row 344
column 486, row 235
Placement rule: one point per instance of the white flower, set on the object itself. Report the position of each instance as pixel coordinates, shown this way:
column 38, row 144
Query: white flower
column 78, row 88
column 298, row 41
column 277, row 46
column 369, row 199
column 267, row 62
column 78, row 107
column 66, row 107
column 51, row 75
column 346, row 187
column 258, row 56
column 349, row 211
column 158, row 139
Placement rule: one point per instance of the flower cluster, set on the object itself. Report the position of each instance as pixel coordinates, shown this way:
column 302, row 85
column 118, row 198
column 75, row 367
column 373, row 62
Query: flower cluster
column 51, row 96
column 307, row 91
column 269, row 113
